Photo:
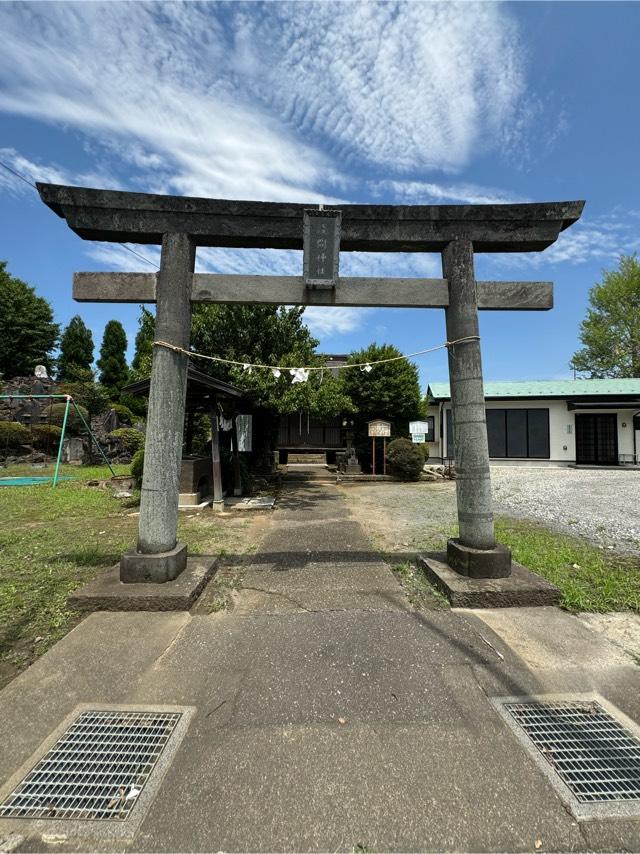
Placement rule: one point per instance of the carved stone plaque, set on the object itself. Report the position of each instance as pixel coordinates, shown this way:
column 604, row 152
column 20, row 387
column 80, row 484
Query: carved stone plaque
column 321, row 244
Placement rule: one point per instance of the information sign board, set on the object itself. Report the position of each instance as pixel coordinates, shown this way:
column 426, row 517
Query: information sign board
column 379, row 428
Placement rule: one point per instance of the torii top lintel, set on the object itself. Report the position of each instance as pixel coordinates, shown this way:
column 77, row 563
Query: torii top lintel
column 118, row 216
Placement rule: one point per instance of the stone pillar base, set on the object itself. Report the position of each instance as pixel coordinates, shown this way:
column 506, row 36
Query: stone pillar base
column 136, row 567
column 479, row 563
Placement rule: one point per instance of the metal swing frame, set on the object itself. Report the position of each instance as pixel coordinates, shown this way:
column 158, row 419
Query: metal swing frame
column 69, row 402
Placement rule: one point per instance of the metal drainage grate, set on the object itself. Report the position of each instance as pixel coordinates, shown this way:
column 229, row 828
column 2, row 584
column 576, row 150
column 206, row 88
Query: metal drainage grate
column 96, row 770
column 596, row 757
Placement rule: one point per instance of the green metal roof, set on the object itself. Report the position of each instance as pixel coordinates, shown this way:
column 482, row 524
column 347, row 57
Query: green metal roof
column 548, row 388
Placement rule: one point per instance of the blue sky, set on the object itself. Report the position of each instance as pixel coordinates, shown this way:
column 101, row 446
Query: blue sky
column 317, row 102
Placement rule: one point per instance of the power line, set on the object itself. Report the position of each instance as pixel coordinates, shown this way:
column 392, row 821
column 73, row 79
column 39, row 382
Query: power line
column 138, row 255
column 31, row 184
column 18, row 175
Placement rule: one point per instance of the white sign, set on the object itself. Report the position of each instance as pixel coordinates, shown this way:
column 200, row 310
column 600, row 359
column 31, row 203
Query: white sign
column 244, row 427
column 418, row 427
column 418, row 438
column 379, row 428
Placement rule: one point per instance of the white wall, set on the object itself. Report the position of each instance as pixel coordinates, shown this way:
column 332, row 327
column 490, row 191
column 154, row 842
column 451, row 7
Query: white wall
column 562, row 430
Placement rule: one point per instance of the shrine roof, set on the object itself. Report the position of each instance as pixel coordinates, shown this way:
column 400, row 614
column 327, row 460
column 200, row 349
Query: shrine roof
column 200, row 387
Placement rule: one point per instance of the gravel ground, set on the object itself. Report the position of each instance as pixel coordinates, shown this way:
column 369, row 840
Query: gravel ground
column 602, row 507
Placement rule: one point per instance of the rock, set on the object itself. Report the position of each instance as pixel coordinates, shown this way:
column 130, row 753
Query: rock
column 123, row 494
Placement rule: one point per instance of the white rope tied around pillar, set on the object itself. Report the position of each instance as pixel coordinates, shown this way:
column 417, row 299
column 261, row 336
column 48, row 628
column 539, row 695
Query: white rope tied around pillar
column 301, row 375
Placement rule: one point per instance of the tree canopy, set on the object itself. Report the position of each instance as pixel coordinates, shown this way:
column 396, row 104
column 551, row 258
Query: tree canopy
column 270, row 335
column 28, row 334
column 390, row 391
column 112, row 363
column 610, row 332
column 76, row 350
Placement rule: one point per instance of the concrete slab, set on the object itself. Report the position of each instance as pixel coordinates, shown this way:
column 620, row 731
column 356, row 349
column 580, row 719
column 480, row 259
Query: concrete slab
column 519, row 589
column 261, row 502
column 108, row 593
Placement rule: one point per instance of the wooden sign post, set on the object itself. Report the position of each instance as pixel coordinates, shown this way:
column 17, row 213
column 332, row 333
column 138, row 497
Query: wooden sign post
column 379, row 429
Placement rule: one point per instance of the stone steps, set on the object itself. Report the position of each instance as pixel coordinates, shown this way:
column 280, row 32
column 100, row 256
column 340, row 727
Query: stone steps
column 307, row 459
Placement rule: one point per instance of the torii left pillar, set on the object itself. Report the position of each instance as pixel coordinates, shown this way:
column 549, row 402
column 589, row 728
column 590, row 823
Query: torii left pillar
column 158, row 556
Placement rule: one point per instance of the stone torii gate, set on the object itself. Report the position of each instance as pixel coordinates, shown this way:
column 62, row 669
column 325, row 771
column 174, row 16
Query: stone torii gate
column 180, row 224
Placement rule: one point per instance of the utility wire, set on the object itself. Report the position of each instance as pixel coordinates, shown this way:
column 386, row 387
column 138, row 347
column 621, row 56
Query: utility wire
column 18, row 175
column 31, row 184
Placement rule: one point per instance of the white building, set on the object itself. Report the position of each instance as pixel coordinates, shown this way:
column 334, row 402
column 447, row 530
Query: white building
column 555, row 422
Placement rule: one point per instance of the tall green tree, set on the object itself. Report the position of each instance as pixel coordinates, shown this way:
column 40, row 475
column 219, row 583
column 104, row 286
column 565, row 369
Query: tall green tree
column 143, row 352
column 390, row 391
column 112, row 363
column 76, row 350
column 28, row 334
column 610, row 332
column 261, row 334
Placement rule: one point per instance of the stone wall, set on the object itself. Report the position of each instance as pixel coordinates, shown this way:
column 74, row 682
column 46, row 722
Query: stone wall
column 25, row 411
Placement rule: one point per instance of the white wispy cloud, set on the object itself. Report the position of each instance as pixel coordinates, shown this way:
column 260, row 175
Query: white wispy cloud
column 426, row 193
column 48, row 172
column 326, row 322
column 600, row 239
column 416, row 85
column 266, row 101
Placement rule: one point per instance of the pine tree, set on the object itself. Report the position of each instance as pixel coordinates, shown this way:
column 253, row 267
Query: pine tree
column 27, row 331
column 76, row 350
column 143, row 352
column 112, row 363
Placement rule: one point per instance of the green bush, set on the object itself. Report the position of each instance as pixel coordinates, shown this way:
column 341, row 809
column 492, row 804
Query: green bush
column 137, row 405
column 424, row 449
column 137, row 466
column 129, row 439
column 45, row 436
column 54, row 414
column 13, row 434
column 405, row 459
column 125, row 415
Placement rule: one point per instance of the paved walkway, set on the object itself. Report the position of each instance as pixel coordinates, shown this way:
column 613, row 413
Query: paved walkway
column 328, row 713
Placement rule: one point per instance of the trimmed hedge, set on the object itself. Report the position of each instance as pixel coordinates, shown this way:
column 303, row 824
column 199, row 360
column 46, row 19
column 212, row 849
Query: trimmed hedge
column 137, row 466
column 424, row 448
column 125, row 415
column 54, row 414
column 405, row 459
column 45, row 436
column 129, row 439
column 13, row 434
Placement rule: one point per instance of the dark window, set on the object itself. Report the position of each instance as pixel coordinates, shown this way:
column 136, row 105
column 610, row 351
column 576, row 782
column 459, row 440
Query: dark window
column 431, row 429
column 520, row 433
column 450, row 451
column 538, row 432
column 497, row 432
column 517, row 433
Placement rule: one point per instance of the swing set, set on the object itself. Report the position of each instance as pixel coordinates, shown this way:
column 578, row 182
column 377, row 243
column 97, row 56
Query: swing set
column 56, row 477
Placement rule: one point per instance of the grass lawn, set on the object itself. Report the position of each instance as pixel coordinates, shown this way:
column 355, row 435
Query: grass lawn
column 403, row 519
column 589, row 578
column 53, row 540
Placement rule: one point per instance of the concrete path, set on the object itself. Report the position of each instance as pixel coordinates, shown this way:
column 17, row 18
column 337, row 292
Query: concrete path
column 328, row 713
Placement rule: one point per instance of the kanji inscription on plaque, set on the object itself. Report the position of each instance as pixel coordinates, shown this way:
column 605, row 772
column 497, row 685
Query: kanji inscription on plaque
column 321, row 244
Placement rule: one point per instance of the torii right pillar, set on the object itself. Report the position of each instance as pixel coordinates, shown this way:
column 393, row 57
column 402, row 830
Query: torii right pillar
column 475, row 552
